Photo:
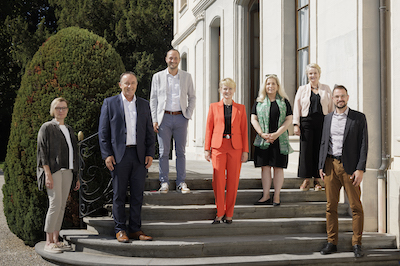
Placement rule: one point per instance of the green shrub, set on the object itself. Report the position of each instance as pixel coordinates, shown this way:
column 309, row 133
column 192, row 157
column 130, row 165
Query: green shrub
column 79, row 66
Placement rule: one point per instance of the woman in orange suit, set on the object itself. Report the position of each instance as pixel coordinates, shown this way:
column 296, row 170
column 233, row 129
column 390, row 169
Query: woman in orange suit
column 226, row 144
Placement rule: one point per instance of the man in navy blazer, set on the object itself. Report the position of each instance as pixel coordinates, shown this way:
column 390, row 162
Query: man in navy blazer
column 127, row 142
column 342, row 162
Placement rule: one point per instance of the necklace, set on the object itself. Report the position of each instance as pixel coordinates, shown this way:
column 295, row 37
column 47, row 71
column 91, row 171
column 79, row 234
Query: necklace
column 313, row 88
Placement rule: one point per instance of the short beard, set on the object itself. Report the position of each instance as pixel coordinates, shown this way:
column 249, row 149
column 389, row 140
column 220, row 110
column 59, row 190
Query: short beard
column 338, row 107
column 173, row 67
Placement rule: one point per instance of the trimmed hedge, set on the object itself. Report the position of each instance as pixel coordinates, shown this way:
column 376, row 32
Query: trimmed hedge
column 79, row 66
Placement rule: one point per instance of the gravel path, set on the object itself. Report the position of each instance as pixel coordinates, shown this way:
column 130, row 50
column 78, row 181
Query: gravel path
column 13, row 251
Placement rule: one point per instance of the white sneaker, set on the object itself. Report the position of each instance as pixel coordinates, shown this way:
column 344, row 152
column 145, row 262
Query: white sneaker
column 164, row 188
column 63, row 246
column 52, row 248
column 183, row 188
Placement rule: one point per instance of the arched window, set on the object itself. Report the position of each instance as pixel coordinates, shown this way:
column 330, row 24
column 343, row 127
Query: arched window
column 215, row 58
column 254, row 15
column 184, row 61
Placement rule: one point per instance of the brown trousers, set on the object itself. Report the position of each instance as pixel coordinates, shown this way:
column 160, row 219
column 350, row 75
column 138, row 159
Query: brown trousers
column 335, row 178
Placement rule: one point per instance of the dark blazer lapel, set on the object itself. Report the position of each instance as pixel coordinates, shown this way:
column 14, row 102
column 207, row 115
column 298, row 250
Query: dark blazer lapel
column 349, row 124
column 328, row 117
column 138, row 110
column 325, row 140
column 327, row 131
column 120, row 108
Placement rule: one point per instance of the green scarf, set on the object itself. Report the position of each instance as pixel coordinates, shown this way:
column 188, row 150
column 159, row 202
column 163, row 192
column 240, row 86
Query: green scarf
column 263, row 119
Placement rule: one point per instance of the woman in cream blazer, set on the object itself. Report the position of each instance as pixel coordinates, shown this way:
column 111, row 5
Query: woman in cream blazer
column 312, row 102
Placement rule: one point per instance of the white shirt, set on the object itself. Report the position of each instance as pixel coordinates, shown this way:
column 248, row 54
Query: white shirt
column 130, row 119
column 173, row 93
column 67, row 136
column 338, row 125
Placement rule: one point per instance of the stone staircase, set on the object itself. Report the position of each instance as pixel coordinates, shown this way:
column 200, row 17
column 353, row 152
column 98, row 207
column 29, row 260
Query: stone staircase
column 290, row 234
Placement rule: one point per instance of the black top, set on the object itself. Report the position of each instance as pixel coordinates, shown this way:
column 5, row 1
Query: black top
column 315, row 104
column 274, row 114
column 228, row 118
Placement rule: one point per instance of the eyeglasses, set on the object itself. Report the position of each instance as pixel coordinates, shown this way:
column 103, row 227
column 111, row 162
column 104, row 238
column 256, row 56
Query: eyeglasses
column 61, row 108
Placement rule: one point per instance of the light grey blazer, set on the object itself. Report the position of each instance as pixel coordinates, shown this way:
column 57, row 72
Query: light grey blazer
column 158, row 95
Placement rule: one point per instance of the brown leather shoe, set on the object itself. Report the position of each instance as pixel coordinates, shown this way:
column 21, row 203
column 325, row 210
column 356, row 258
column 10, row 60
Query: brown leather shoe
column 139, row 235
column 122, row 237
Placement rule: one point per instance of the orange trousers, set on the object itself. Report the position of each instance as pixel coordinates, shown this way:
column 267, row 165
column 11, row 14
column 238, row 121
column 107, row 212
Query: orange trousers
column 226, row 159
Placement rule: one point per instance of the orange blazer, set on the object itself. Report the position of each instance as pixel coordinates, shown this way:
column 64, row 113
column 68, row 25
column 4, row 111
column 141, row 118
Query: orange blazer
column 216, row 125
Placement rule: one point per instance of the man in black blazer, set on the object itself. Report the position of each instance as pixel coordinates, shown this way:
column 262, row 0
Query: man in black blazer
column 342, row 162
column 127, row 142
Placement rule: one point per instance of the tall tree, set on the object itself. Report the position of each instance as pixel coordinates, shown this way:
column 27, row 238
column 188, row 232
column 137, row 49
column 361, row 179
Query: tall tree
column 24, row 26
column 8, row 86
column 84, row 69
column 28, row 24
column 140, row 30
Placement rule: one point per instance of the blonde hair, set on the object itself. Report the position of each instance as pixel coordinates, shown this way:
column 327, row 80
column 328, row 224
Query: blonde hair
column 227, row 82
column 262, row 93
column 313, row 65
column 55, row 102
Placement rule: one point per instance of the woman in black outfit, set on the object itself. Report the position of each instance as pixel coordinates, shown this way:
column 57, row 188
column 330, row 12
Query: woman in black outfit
column 271, row 116
column 312, row 102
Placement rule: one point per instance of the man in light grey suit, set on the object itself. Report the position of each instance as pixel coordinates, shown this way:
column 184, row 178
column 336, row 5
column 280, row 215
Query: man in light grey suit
column 172, row 101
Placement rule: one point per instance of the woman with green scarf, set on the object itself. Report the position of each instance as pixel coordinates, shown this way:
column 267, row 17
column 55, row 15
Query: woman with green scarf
column 271, row 116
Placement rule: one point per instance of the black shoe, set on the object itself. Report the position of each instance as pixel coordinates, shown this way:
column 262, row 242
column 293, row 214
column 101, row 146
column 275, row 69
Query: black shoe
column 267, row 202
column 216, row 221
column 276, row 204
column 226, row 221
column 358, row 253
column 328, row 249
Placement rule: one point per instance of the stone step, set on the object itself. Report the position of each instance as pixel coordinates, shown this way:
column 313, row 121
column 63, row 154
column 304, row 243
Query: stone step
column 198, row 247
column 374, row 257
column 207, row 211
column 204, row 181
column 183, row 229
column 244, row 196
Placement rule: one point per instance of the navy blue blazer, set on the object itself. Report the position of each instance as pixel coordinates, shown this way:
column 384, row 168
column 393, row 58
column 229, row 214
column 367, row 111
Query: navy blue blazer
column 355, row 142
column 112, row 129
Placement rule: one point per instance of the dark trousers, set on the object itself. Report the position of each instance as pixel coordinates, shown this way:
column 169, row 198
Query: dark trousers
column 133, row 173
column 335, row 178
column 310, row 141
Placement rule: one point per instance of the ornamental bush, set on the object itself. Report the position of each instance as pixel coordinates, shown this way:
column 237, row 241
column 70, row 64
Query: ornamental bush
column 79, row 66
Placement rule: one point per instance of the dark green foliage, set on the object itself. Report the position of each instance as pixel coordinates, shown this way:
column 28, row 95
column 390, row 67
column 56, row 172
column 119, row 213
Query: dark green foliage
column 140, row 31
column 8, row 87
column 79, row 66
column 28, row 24
column 24, row 26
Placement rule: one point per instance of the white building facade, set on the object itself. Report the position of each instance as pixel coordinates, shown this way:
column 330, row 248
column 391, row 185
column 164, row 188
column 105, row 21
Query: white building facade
column 355, row 42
